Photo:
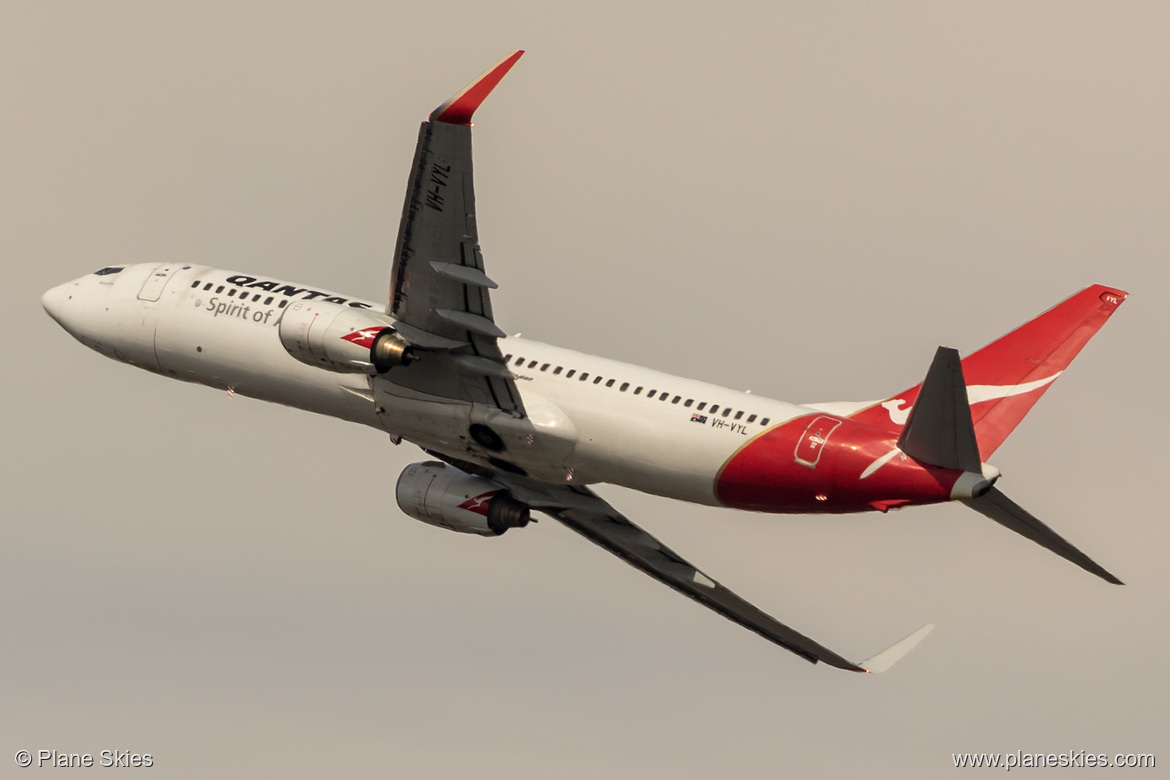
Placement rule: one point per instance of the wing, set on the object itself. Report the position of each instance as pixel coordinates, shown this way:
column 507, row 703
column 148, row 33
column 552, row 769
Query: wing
column 438, row 289
column 592, row 517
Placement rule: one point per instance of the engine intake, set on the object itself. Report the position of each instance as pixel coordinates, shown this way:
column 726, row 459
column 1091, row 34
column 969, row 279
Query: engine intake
column 342, row 338
column 442, row 495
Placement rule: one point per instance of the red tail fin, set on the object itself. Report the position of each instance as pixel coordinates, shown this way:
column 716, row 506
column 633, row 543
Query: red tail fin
column 1008, row 376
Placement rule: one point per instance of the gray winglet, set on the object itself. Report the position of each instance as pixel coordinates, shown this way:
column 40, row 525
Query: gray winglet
column 885, row 660
column 939, row 430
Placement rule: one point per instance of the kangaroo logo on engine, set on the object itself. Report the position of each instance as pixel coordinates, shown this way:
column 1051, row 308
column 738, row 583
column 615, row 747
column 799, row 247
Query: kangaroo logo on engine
column 364, row 338
column 479, row 504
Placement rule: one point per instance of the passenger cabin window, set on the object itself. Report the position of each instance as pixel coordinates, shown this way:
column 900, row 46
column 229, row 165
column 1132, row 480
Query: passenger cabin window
column 194, row 284
column 584, row 376
column 558, row 369
column 532, row 364
column 283, row 303
column 232, row 293
column 117, row 269
column 596, row 380
column 688, row 402
column 752, row 418
column 625, row 386
column 507, row 358
column 651, row 393
column 268, row 301
column 677, row 398
column 544, row 367
column 664, row 396
column 519, row 361
column 610, row 383
column 738, row 415
column 727, row 411
column 570, row 374
column 764, row 421
column 638, row 390
column 701, row 405
column 207, row 287
column 714, row 408
column 219, row 289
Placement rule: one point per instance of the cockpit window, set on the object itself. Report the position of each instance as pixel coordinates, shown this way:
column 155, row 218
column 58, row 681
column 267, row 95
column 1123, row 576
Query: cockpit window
column 114, row 269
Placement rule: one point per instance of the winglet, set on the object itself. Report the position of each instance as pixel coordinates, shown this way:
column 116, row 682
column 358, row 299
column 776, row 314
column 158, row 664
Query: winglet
column 458, row 110
column 895, row 652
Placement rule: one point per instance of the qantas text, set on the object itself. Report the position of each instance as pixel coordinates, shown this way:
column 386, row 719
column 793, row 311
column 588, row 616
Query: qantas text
column 289, row 291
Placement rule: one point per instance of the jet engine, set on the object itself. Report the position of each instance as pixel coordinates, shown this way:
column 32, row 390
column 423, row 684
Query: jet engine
column 342, row 338
column 449, row 498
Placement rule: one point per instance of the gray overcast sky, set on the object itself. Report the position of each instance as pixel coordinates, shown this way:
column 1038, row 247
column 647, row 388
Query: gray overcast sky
column 802, row 199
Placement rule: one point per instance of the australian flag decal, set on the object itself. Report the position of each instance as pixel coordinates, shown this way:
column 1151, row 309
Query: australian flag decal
column 699, row 418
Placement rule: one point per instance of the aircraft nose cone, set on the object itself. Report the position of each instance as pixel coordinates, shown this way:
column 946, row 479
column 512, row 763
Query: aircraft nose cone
column 54, row 301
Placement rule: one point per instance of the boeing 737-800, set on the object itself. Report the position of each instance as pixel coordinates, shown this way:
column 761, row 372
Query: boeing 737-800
column 513, row 425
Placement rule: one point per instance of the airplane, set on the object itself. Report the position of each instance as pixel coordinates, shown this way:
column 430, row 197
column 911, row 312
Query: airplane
column 512, row 425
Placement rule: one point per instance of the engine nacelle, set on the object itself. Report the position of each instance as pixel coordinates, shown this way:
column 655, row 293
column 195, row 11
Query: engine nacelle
column 342, row 338
column 449, row 498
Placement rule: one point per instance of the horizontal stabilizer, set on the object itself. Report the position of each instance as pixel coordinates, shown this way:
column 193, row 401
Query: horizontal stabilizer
column 1011, row 515
column 895, row 652
column 939, row 430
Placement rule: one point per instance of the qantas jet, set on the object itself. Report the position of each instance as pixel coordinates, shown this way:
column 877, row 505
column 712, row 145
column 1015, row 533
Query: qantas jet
column 512, row 425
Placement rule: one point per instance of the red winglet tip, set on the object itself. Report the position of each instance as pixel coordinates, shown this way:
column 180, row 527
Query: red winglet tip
column 459, row 109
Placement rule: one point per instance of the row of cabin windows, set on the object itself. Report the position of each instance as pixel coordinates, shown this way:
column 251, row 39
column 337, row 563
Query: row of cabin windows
column 584, row 375
column 663, row 396
column 243, row 295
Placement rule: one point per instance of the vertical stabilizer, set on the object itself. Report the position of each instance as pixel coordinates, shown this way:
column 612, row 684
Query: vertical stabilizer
column 1007, row 377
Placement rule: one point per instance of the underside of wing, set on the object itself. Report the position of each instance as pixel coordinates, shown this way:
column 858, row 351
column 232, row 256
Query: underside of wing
column 592, row 517
column 643, row 551
column 439, row 292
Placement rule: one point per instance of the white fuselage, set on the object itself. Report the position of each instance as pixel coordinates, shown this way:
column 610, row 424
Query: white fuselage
column 618, row 423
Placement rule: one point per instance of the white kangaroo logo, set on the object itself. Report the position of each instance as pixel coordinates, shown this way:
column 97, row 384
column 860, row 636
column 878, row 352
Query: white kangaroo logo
column 976, row 394
column 898, row 416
